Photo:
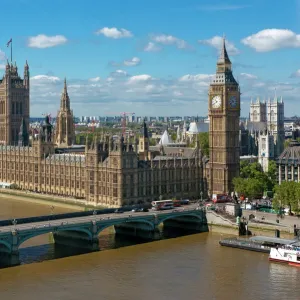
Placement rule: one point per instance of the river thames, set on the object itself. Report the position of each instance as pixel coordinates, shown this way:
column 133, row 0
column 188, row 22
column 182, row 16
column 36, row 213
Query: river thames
column 189, row 267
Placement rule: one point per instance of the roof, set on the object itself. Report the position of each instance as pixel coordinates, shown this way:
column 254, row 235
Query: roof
column 165, row 139
column 291, row 154
column 223, row 58
column 197, row 127
column 172, row 152
column 255, row 126
column 268, row 239
column 67, row 157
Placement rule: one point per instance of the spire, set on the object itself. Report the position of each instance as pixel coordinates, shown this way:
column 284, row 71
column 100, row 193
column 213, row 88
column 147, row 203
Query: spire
column 224, row 58
column 65, row 100
column 145, row 130
column 23, row 134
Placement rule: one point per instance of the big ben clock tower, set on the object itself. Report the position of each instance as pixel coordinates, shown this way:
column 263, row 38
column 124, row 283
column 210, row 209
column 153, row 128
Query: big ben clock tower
column 224, row 116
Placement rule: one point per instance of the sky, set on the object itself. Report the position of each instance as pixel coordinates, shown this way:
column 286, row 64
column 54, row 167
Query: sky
column 153, row 57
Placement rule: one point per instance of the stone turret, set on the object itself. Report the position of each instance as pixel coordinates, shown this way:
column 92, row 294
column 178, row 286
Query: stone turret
column 65, row 133
column 23, row 134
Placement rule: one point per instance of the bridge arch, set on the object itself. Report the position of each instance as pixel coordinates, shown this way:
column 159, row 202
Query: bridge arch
column 149, row 223
column 188, row 214
column 24, row 238
column 6, row 245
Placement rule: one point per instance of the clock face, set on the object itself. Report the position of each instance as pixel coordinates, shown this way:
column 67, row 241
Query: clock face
column 216, row 102
column 233, row 101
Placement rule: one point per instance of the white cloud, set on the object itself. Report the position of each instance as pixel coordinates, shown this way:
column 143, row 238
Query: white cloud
column 119, row 73
column 2, row 55
column 248, row 76
column 44, row 79
column 114, row 33
column 169, row 40
column 198, row 77
column 95, row 79
column 151, row 47
column 185, row 95
column 42, row 41
column 139, row 78
column 272, row 39
column 216, row 42
column 258, row 84
column 295, row 74
column 132, row 62
column 222, row 7
column 2, row 66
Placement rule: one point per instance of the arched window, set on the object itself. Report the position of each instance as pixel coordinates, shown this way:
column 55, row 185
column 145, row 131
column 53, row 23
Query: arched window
column 255, row 116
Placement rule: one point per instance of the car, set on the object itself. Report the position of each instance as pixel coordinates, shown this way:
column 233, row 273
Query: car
column 135, row 210
column 145, row 209
column 118, row 211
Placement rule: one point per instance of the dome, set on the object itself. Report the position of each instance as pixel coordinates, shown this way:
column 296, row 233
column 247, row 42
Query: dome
column 165, row 139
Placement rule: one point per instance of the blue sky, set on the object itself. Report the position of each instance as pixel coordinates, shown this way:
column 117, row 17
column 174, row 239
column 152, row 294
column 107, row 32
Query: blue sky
column 151, row 57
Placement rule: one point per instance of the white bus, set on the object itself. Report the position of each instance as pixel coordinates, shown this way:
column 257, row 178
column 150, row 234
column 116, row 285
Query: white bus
column 162, row 204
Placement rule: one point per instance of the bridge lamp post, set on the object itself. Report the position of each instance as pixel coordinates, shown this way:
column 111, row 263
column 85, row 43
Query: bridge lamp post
column 94, row 214
column 201, row 198
column 14, row 223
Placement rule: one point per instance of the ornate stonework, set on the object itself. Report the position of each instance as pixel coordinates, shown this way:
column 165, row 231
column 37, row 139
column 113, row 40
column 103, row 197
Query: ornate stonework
column 224, row 115
column 65, row 133
column 14, row 104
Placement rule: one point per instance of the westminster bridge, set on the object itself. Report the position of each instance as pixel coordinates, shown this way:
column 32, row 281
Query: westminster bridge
column 81, row 230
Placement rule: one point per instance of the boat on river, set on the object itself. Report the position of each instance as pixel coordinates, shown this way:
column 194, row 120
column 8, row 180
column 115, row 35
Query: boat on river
column 289, row 254
column 256, row 243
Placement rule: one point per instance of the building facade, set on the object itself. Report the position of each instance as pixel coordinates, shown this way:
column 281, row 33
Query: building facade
column 109, row 171
column 65, row 134
column 14, row 104
column 288, row 162
column 224, row 115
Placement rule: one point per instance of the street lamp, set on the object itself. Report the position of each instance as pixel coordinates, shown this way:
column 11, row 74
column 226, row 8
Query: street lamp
column 14, row 221
column 94, row 214
column 201, row 198
column 52, row 209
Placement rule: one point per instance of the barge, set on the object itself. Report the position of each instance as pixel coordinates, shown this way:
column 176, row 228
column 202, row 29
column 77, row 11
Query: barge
column 256, row 243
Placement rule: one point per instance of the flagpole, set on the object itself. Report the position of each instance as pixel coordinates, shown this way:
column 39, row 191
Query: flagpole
column 11, row 51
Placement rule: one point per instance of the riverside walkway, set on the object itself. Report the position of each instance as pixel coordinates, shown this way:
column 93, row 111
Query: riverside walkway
column 83, row 231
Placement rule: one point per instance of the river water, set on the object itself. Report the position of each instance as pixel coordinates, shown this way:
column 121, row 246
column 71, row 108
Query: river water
column 189, row 267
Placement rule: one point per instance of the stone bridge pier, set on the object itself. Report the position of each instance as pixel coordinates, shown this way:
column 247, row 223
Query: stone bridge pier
column 142, row 230
column 86, row 238
column 188, row 223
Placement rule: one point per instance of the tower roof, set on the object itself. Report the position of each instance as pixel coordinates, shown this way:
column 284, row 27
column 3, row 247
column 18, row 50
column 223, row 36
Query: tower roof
column 65, row 100
column 224, row 72
column 165, row 139
column 224, row 58
column 145, row 130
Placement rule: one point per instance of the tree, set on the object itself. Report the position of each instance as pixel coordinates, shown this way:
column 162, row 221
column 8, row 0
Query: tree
column 272, row 173
column 253, row 181
column 204, row 142
column 287, row 194
column 249, row 187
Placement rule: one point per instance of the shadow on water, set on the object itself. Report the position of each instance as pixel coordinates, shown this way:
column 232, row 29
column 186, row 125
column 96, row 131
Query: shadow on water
column 40, row 253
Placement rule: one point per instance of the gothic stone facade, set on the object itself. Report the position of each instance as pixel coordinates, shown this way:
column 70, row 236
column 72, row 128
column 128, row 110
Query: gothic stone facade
column 224, row 115
column 108, row 173
column 14, row 103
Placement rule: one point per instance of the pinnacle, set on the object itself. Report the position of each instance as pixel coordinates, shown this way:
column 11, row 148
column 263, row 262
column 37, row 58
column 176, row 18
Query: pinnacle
column 223, row 58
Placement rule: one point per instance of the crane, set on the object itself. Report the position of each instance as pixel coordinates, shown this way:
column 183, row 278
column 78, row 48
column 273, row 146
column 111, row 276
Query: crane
column 124, row 117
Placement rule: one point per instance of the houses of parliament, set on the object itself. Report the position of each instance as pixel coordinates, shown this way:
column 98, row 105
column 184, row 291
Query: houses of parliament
column 112, row 171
